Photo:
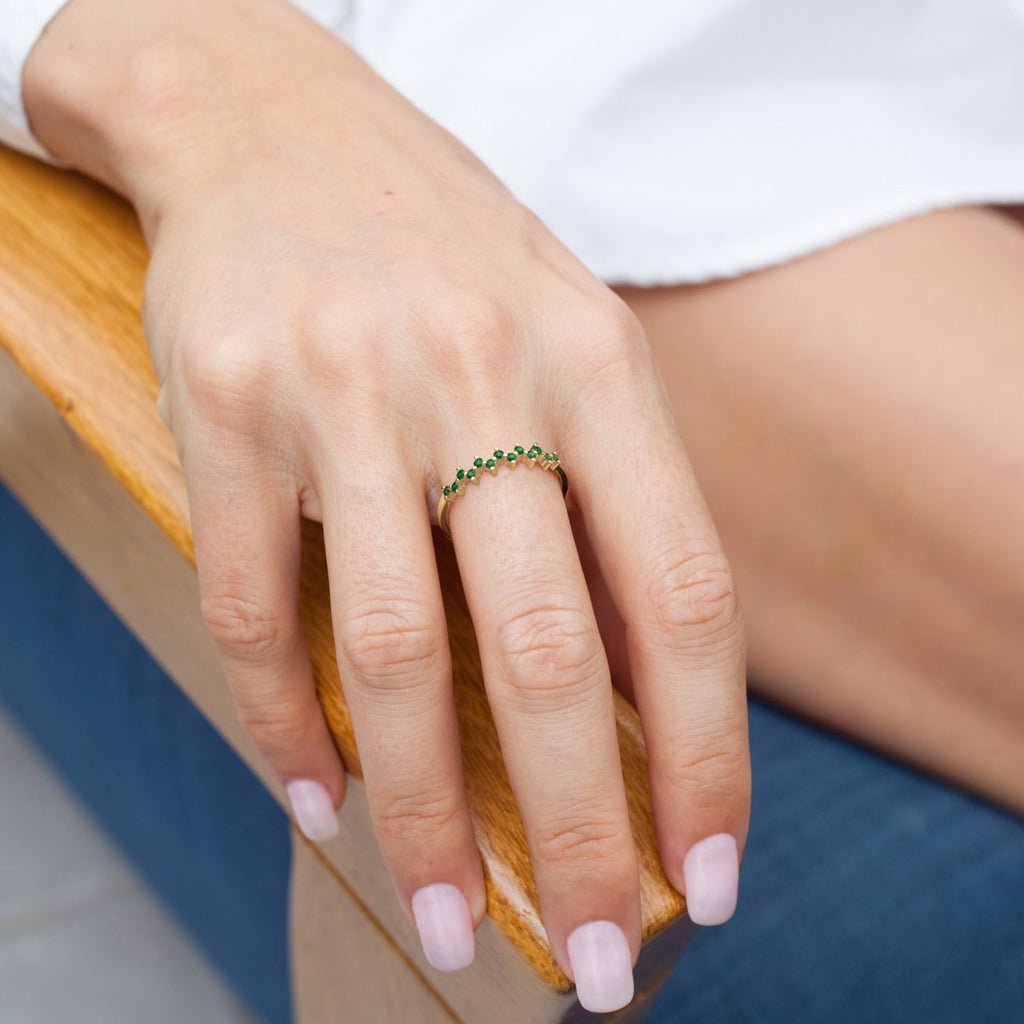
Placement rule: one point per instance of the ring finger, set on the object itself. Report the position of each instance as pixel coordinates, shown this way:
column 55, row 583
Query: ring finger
column 550, row 690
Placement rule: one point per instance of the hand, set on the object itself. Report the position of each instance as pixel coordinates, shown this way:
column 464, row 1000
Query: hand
column 343, row 306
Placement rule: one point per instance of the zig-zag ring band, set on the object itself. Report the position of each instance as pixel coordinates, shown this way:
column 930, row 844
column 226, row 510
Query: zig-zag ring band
column 517, row 456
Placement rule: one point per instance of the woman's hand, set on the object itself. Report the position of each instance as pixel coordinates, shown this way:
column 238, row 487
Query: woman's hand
column 343, row 306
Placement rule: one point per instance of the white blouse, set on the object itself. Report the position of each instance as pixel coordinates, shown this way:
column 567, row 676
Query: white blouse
column 684, row 140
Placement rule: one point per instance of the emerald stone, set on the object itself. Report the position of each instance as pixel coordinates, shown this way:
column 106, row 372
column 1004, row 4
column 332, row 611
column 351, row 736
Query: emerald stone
column 460, row 474
column 511, row 457
column 520, row 450
column 498, row 453
column 447, row 491
column 478, row 463
column 455, row 487
column 471, row 475
column 490, row 463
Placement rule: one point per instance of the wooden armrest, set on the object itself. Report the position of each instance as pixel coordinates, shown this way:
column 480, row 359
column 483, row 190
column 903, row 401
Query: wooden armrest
column 98, row 469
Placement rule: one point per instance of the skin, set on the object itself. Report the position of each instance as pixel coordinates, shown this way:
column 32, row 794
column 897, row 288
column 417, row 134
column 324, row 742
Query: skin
column 339, row 296
column 855, row 418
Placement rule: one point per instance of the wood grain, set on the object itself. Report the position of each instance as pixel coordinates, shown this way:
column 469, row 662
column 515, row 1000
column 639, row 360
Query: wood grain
column 72, row 266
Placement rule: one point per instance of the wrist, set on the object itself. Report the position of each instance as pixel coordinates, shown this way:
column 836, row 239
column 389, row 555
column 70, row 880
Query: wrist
column 155, row 98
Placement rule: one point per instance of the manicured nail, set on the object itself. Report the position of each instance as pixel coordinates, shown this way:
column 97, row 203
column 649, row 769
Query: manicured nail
column 711, row 872
column 445, row 925
column 601, row 966
column 313, row 809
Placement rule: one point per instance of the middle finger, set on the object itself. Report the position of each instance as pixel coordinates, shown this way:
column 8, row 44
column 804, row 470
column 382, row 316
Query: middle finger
column 393, row 656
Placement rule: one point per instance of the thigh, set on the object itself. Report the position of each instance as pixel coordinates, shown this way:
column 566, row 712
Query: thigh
column 857, row 421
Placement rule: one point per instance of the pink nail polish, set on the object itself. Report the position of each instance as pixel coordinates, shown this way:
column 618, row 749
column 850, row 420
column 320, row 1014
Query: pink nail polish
column 445, row 925
column 601, row 966
column 313, row 809
column 711, row 871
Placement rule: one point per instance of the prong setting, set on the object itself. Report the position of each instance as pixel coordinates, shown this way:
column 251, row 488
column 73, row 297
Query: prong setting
column 517, row 455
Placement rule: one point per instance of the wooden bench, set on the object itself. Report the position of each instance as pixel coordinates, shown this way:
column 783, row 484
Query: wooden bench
column 82, row 447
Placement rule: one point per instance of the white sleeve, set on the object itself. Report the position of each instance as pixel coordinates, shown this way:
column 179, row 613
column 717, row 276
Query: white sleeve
column 21, row 24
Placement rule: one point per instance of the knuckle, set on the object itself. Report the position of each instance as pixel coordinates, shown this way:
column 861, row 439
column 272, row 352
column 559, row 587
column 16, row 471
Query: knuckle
column 706, row 772
column 416, row 817
column 551, row 647
column 569, row 843
column 278, row 730
column 392, row 642
column 616, row 346
column 696, row 596
column 243, row 629
column 230, row 378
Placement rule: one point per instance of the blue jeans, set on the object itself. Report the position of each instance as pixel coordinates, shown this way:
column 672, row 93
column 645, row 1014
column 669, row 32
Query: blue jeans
column 869, row 894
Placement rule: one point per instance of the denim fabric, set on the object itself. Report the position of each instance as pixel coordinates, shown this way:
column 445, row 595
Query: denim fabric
column 154, row 772
column 870, row 894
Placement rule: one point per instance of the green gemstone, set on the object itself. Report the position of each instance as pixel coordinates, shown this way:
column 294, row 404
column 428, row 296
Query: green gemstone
column 511, row 457
column 460, row 474
column 478, row 463
column 471, row 475
column 536, row 448
column 520, row 450
column 531, row 455
column 490, row 463
column 447, row 491
column 498, row 453
column 455, row 486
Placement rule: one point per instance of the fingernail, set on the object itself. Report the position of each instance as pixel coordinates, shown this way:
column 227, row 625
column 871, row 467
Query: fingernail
column 313, row 809
column 601, row 966
column 711, row 872
column 445, row 925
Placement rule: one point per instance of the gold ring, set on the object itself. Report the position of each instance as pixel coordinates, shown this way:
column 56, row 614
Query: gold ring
column 517, row 456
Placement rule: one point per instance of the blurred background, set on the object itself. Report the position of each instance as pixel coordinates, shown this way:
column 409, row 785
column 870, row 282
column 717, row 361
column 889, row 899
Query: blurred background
column 82, row 939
